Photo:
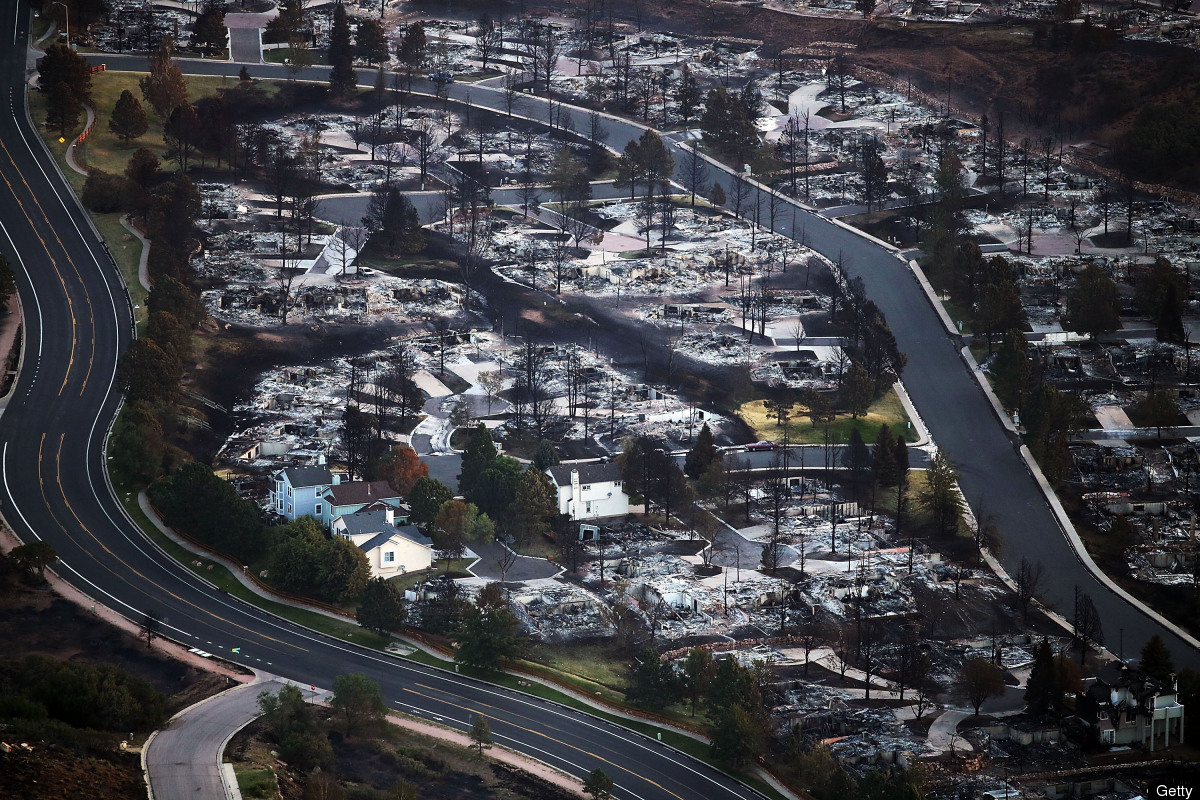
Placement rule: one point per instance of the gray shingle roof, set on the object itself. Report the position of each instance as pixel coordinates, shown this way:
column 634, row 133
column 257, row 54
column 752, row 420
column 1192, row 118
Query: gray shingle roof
column 302, row 477
column 588, row 473
column 408, row 532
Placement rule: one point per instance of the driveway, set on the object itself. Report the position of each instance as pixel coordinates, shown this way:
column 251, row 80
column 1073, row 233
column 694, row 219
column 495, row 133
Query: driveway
column 526, row 568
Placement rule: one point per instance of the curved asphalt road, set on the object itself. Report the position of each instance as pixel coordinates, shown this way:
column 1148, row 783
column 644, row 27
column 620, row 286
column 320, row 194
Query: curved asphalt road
column 949, row 398
column 53, row 486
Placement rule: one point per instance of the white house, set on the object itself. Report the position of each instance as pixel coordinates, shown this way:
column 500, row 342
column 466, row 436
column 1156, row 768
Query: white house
column 589, row 491
column 390, row 550
column 349, row 497
column 296, row 491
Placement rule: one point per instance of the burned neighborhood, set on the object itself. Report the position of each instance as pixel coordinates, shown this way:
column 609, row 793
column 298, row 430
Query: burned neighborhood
column 806, row 386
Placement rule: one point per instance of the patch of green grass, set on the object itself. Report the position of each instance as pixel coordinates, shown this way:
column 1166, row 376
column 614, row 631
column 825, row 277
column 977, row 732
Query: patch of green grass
column 886, row 410
column 127, row 251
column 686, row 744
column 597, row 663
column 257, row 783
column 457, row 567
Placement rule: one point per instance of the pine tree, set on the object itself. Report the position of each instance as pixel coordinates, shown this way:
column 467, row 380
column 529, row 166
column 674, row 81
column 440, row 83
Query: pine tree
column 1039, row 687
column 884, row 457
column 164, row 88
column 382, row 607
column 481, row 733
column 128, row 119
column 1156, row 660
column 61, row 64
column 479, row 455
column 342, row 77
column 701, row 455
column 545, row 457
column 63, row 110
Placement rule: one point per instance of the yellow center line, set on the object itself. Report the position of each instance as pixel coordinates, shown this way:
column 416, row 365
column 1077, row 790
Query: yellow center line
column 62, row 491
column 506, row 719
column 87, row 298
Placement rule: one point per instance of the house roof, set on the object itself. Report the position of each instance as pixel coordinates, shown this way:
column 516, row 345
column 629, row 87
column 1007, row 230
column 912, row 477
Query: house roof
column 302, row 477
column 408, row 532
column 357, row 493
column 364, row 522
column 594, row 472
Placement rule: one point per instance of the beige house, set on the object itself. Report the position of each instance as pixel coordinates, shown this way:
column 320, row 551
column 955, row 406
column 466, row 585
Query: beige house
column 390, row 550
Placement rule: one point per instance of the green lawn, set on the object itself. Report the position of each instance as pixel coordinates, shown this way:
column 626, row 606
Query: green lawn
column 257, row 783
column 886, row 410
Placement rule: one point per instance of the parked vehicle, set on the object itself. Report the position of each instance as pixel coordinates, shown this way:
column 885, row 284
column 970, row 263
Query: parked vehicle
column 760, row 447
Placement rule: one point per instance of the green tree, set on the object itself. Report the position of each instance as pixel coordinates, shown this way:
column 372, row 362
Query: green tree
column 698, row 672
column 545, row 457
column 726, row 126
column 61, row 64
column 1158, row 408
column 1050, row 416
column 1011, row 370
column 357, row 700
column 104, row 193
column 481, row 733
column 597, row 785
column 883, row 457
column 410, row 50
column 1093, row 306
column 128, row 120
column 209, row 33
column 8, row 282
column 63, row 109
column 142, row 168
column 146, row 372
column 170, row 296
column 344, row 571
column 33, row 558
column 479, row 455
column 165, row 88
column 978, row 681
column 138, row 448
column 1156, row 659
column 293, row 724
column 534, row 505
column 427, row 497
column 737, row 720
column 342, row 77
column 857, row 390
column 457, row 523
column 490, row 638
column 653, row 683
column 370, row 42
column 170, row 334
column 496, row 487
column 940, row 496
column 703, row 451
column 382, row 607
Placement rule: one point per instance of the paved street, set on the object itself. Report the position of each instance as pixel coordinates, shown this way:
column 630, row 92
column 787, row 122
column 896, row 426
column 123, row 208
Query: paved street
column 183, row 760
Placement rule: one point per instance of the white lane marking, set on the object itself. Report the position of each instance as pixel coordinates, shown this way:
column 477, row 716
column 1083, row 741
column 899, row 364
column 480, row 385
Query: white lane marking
column 28, row 277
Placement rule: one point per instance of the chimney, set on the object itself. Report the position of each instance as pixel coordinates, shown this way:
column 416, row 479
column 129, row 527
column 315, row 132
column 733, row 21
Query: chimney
column 321, row 460
column 389, row 516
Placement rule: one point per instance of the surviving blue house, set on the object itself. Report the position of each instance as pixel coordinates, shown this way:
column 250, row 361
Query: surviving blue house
column 296, row 491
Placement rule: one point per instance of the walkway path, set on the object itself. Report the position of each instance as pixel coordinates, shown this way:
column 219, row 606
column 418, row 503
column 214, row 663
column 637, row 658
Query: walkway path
column 943, row 732
column 71, row 162
column 144, row 259
column 183, row 761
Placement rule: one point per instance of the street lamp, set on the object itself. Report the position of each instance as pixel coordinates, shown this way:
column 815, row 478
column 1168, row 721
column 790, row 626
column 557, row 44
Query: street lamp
column 66, row 19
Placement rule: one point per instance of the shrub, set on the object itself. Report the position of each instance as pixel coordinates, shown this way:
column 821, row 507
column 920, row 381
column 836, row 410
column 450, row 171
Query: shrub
column 105, row 193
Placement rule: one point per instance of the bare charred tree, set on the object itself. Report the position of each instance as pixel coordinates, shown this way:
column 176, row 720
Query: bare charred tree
column 560, row 260
column 1089, row 629
column 1030, row 581
column 695, row 172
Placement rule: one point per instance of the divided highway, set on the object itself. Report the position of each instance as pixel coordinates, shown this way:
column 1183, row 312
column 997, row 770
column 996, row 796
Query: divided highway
column 53, row 482
column 53, row 486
